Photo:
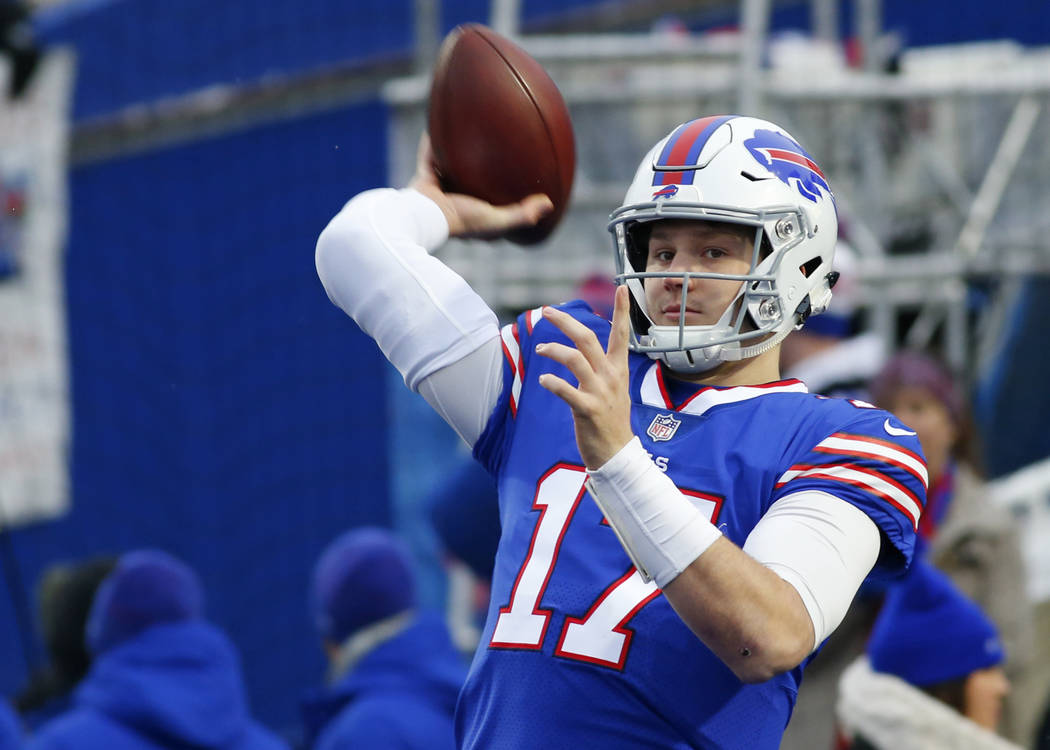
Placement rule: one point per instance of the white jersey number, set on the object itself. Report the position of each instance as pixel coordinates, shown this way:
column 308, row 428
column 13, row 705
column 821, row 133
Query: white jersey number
column 600, row 636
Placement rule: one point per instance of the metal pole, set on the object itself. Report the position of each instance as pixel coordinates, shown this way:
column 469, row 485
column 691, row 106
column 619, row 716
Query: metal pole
column 506, row 17
column 873, row 160
column 869, row 28
column 824, row 19
column 984, row 206
column 427, row 16
column 754, row 23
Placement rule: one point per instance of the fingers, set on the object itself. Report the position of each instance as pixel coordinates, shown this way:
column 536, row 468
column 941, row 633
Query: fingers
column 571, row 358
column 580, row 335
column 563, row 390
column 620, row 336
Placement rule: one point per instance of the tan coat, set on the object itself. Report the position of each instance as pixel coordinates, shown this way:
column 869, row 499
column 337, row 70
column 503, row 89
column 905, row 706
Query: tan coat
column 978, row 545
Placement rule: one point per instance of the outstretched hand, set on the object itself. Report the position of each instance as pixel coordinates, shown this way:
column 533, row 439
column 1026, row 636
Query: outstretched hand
column 601, row 404
column 468, row 216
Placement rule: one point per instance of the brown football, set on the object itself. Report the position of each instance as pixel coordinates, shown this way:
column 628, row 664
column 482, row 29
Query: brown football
column 499, row 127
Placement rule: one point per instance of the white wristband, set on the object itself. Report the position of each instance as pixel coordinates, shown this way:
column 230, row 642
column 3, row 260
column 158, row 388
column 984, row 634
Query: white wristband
column 659, row 527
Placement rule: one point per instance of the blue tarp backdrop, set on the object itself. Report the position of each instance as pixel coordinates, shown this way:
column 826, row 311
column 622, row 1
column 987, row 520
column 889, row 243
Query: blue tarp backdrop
column 224, row 409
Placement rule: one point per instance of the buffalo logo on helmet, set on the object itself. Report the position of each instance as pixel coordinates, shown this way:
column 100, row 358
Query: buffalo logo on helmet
column 667, row 191
column 789, row 162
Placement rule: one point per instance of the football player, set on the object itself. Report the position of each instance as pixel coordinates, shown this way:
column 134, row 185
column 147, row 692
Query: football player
column 681, row 529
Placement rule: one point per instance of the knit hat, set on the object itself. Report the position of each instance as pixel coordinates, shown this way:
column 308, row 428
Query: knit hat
column 362, row 577
column 147, row 587
column 598, row 291
column 911, row 368
column 929, row 632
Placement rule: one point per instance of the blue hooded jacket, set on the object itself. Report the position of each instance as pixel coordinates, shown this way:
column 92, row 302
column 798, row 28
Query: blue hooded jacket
column 399, row 696
column 10, row 727
column 175, row 685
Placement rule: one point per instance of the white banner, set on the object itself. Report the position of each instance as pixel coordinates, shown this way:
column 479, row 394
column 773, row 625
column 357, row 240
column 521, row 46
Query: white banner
column 34, row 367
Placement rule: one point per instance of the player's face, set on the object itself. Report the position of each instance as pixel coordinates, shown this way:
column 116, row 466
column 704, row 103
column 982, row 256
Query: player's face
column 698, row 246
column 983, row 695
column 918, row 408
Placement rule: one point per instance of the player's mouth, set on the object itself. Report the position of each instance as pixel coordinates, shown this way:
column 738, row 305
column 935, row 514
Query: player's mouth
column 673, row 313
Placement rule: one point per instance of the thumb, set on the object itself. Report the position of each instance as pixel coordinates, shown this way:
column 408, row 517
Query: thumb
column 534, row 207
column 492, row 221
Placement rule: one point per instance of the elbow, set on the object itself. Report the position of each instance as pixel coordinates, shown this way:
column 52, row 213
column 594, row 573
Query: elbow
column 781, row 653
column 334, row 254
column 752, row 672
column 328, row 248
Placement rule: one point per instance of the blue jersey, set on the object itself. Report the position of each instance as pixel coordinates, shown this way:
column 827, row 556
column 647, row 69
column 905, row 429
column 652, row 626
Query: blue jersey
column 577, row 649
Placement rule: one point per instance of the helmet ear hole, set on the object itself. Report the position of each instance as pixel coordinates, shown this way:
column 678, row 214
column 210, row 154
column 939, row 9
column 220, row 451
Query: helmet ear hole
column 637, row 238
column 810, row 266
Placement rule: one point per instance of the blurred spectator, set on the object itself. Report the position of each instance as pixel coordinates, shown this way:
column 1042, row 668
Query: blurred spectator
column 394, row 675
column 464, row 509
column 10, row 727
column 162, row 676
column 65, row 593
column 968, row 537
column 17, row 44
column 598, row 291
column 830, row 354
column 932, row 676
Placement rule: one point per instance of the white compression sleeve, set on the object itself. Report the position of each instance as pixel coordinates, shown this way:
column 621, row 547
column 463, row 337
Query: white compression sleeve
column 465, row 393
column 662, row 531
column 821, row 545
column 374, row 263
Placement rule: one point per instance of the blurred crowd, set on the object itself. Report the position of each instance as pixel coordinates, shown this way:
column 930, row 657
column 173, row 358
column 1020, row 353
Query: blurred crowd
column 946, row 657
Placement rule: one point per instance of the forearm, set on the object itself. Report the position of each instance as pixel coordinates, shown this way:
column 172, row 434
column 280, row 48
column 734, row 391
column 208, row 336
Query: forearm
column 763, row 608
column 750, row 617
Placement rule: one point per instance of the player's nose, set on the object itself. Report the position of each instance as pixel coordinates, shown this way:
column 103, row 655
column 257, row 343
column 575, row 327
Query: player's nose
column 674, row 283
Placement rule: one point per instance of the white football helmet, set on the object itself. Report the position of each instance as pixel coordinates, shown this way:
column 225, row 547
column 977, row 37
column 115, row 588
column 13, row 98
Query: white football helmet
column 745, row 171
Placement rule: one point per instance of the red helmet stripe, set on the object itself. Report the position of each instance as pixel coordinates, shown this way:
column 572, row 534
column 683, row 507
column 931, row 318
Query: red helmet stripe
column 683, row 147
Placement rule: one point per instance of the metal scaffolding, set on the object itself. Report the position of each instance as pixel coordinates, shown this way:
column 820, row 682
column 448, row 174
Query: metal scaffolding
column 937, row 166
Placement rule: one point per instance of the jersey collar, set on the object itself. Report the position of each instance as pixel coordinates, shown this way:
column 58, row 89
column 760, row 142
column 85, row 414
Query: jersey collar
column 662, row 392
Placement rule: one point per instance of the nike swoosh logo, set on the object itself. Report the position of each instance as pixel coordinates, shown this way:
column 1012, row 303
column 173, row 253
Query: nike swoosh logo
column 895, row 430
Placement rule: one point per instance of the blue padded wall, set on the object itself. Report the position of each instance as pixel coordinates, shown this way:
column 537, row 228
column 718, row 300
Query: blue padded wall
column 139, row 50
column 223, row 408
column 920, row 24
column 133, row 51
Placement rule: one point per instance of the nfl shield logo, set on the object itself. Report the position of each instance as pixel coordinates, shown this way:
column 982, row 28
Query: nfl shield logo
column 663, row 427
